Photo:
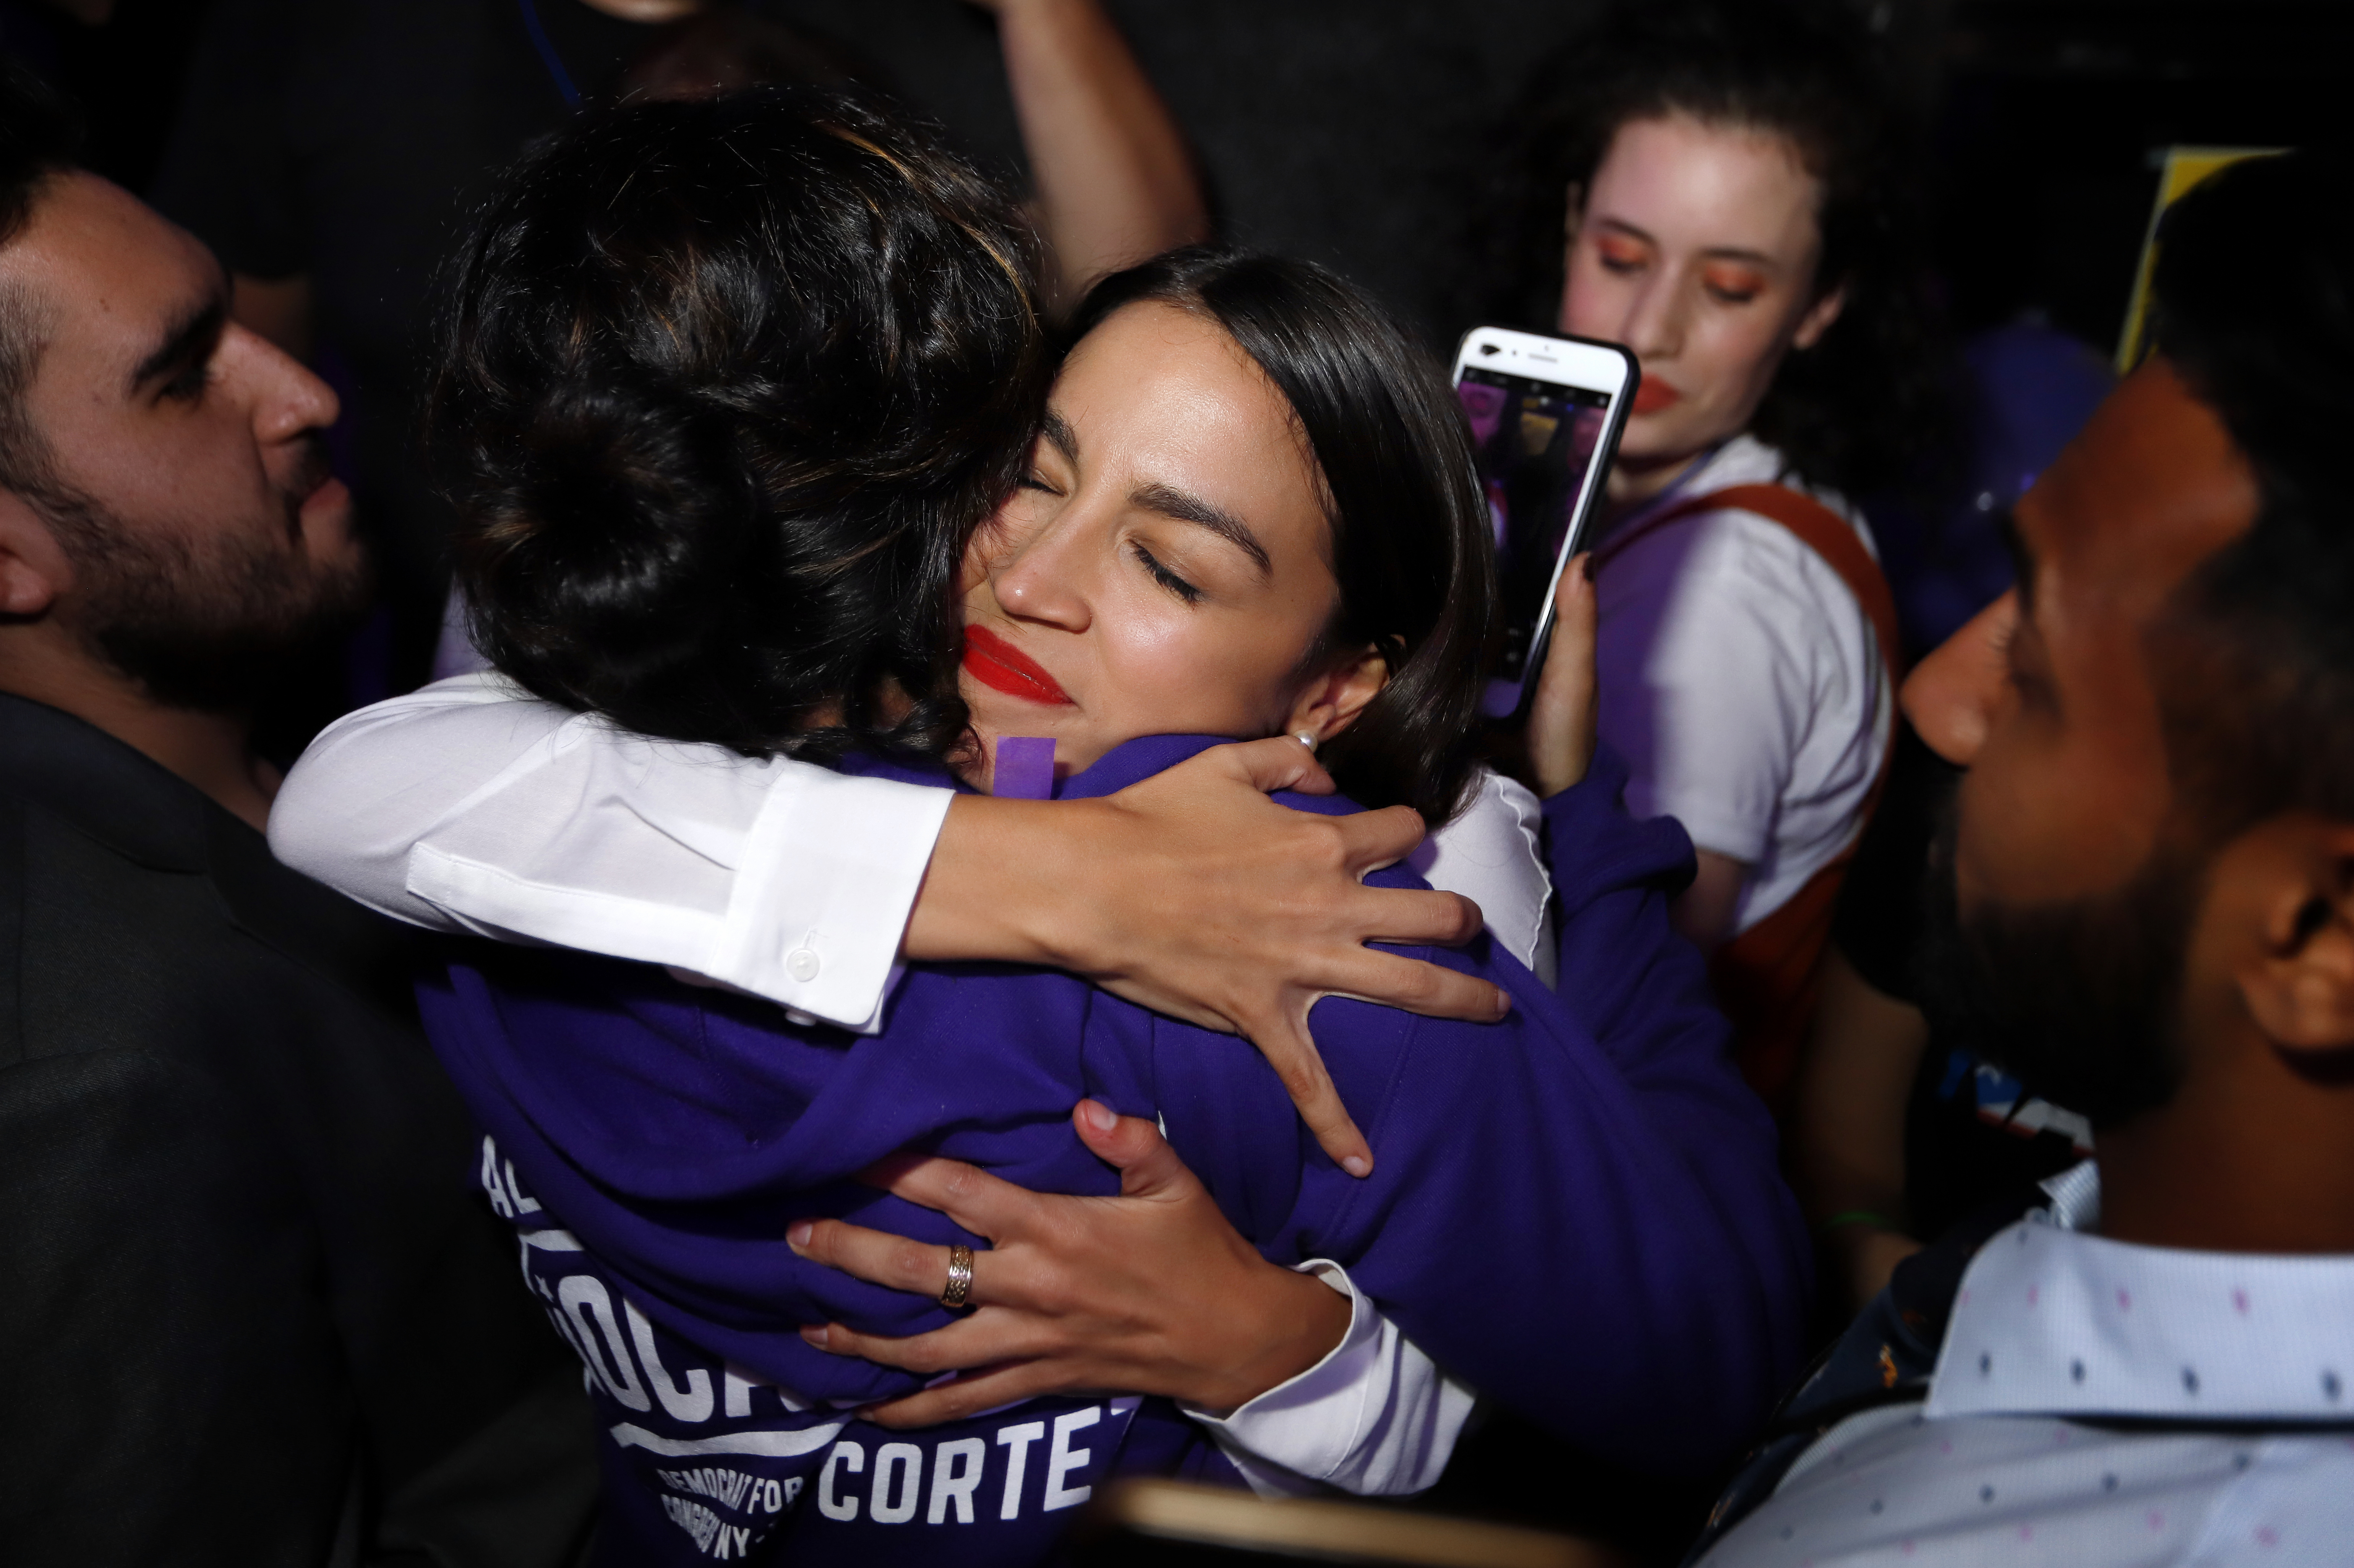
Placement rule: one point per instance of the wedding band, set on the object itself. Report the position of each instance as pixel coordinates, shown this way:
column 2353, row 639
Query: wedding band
column 959, row 1286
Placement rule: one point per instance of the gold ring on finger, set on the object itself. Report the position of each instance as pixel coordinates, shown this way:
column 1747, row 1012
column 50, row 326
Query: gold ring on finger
column 959, row 1286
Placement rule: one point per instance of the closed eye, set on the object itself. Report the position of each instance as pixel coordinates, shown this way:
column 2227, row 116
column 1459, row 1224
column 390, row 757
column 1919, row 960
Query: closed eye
column 1165, row 578
column 188, row 385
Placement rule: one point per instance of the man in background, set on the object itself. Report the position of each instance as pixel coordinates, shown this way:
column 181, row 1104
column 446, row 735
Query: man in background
column 252, row 1314
column 2148, row 911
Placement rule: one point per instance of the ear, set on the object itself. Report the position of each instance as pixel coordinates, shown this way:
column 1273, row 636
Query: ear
column 1331, row 702
column 33, row 568
column 1818, row 319
column 2298, row 984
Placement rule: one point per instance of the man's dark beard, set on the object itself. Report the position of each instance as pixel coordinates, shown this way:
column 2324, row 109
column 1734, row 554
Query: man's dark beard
column 212, row 623
column 2079, row 1000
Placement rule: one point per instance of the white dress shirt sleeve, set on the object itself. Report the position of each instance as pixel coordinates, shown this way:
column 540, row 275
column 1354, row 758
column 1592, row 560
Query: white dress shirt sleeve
column 1375, row 1416
column 471, row 806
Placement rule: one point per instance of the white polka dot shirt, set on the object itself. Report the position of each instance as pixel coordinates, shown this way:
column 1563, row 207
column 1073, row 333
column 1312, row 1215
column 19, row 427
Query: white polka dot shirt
column 2096, row 1404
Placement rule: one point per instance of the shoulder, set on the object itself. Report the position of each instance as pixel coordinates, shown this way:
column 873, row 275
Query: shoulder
column 1718, row 568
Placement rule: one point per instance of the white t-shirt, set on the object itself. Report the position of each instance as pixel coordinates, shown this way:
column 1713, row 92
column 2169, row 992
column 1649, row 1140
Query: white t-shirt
column 1742, row 681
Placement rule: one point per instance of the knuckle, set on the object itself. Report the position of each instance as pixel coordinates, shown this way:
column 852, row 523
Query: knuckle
column 914, row 1261
column 1303, row 1078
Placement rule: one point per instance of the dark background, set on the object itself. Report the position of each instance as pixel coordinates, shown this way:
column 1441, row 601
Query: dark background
column 1355, row 132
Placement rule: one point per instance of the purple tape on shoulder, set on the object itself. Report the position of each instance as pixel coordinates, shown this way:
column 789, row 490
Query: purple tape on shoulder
column 1025, row 768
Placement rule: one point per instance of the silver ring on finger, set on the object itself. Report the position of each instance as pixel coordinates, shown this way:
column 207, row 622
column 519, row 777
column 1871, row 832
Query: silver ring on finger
column 959, row 1291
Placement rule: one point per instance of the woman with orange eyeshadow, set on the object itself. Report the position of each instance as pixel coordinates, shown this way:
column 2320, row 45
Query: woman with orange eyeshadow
column 1715, row 184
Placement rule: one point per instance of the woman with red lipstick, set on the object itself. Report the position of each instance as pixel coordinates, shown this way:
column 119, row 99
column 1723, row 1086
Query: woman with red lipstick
column 1250, row 512
column 1723, row 174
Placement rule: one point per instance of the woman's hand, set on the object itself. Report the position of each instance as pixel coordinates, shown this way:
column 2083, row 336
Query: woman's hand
column 1195, row 894
column 1151, row 1292
column 1562, row 715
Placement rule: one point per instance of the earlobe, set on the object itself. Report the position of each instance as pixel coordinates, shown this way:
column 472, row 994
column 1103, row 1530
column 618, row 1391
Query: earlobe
column 1334, row 699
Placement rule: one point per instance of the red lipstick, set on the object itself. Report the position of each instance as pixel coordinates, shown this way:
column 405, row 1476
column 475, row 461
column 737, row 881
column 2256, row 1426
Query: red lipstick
column 1654, row 395
column 1002, row 667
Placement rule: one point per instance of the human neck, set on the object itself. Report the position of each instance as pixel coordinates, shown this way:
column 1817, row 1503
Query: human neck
column 2257, row 1165
column 1634, row 481
column 211, row 751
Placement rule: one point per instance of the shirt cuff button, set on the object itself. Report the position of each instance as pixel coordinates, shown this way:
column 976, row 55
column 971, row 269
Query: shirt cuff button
column 801, row 964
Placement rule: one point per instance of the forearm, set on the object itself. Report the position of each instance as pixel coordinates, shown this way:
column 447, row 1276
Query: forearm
column 1115, row 183
column 470, row 807
column 1002, row 880
column 1847, row 1143
column 1374, row 1415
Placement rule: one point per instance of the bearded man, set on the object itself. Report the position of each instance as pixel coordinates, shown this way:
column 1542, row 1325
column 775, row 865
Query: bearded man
column 2148, row 902
column 247, row 1312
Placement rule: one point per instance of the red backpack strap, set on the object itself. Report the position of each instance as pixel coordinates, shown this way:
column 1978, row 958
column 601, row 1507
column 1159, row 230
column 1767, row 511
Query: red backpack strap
column 1817, row 527
column 1767, row 979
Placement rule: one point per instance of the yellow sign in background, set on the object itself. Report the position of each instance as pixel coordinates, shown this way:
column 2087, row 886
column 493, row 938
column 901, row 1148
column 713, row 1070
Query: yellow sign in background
column 2185, row 168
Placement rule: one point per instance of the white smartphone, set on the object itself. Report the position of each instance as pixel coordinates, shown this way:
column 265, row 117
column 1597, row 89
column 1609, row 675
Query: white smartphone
column 1545, row 414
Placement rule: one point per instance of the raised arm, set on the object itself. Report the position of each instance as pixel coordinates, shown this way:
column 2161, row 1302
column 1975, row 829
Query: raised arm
column 472, row 807
column 1115, row 183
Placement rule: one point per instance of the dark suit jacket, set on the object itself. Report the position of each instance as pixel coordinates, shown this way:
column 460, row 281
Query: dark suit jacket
column 251, row 1310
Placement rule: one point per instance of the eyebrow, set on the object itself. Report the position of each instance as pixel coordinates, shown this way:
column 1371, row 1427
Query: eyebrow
column 1171, row 501
column 189, row 340
column 1716, row 252
column 1061, row 436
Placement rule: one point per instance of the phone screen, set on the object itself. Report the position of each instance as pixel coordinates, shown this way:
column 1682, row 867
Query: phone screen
column 1534, row 441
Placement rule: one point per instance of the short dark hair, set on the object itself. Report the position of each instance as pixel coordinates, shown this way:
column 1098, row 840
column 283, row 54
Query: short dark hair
column 1858, row 409
column 40, row 133
column 1411, row 541
column 2254, row 298
column 721, row 389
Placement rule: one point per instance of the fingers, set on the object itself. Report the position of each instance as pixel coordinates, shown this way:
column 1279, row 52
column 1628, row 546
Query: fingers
column 984, row 1204
column 1284, row 1042
column 1563, row 715
column 971, row 1395
column 981, row 1340
column 877, row 1257
column 1415, row 985
column 1413, row 916
column 1279, row 762
column 1133, row 1146
column 1372, row 839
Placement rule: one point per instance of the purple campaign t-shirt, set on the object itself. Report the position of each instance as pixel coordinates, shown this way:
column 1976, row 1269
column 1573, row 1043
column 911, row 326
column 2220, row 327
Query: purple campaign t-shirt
column 1576, row 1210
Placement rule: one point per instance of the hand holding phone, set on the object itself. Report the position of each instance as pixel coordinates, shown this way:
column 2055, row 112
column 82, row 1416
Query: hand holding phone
column 1547, row 414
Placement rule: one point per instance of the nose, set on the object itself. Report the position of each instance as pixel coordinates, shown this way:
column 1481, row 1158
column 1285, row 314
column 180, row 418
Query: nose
column 1654, row 328
column 288, row 398
column 1951, row 694
column 1041, row 578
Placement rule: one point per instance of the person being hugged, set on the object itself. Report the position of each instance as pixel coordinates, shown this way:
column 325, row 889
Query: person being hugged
column 1250, row 512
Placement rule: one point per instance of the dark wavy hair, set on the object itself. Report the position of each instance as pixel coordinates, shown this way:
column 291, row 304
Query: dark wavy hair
column 1411, row 541
column 720, row 390
column 1859, row 410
